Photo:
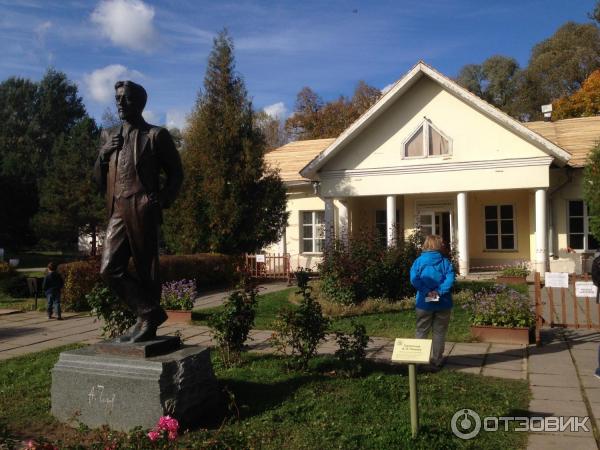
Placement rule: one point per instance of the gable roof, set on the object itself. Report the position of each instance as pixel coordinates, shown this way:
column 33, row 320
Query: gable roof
column 403, row 85
column 292, row 157
column 578, row 136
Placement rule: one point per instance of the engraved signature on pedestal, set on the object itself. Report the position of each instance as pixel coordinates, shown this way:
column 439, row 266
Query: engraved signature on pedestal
column 98, row 395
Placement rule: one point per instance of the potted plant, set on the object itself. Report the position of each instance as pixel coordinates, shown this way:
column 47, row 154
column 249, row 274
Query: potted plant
column 177, row 298
column 514, row 274
column 501, row 315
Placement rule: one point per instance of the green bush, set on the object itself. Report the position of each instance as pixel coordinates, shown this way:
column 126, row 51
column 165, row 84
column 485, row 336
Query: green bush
column 116, row 318
column 208, row 270
column 352, row 351
column 366, row 268
column 15, row 286
column 298, row 332
column 231, row 326
column 80, row 277
column 520, row 270
column 12, row 282
column 6, row 270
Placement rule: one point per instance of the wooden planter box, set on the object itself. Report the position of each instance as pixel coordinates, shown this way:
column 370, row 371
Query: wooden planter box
column 178, row 316
column 511, row 280
column 502, row 335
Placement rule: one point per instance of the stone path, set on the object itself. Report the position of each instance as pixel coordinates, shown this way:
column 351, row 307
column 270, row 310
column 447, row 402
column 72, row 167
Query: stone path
column 560, row 373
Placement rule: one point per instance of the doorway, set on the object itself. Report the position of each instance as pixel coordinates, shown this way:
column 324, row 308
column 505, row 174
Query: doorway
column 436, row 222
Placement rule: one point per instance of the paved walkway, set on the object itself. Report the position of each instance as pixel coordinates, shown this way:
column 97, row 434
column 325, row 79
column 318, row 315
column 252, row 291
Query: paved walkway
column 560, row 372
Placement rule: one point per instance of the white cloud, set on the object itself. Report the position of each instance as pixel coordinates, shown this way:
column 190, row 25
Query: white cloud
column 42, row 29
column 127, row 23
column 101, row 82
column 276, row 110
column 387, row 88
column 150, row 117
column 176, row 119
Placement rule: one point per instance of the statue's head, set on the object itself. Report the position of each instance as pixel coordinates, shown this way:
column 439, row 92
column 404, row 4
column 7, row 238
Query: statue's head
column 131, row 99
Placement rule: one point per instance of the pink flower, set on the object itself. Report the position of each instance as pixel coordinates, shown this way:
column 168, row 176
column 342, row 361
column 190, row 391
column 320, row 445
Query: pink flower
column 153, row 435
column 168, row 423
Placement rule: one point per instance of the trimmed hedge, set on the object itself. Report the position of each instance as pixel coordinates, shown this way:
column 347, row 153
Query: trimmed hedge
column 207, row 270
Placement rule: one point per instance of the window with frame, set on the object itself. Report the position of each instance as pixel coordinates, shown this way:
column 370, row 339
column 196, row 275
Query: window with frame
column 313, row 231
column 579, row 237
column 426, row 141
column 500, row 227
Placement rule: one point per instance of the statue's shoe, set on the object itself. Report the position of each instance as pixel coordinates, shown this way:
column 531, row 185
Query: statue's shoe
column 131, row 332
column 149, row 325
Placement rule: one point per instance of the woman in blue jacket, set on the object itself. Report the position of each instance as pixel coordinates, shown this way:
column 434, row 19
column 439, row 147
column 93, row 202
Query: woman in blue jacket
column 432, row 275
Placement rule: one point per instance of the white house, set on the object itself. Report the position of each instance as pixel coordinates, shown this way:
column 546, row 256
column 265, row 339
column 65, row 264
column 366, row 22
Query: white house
column 431, row 154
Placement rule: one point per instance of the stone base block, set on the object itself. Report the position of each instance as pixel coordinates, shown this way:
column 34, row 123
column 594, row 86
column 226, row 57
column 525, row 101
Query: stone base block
column 123, row 392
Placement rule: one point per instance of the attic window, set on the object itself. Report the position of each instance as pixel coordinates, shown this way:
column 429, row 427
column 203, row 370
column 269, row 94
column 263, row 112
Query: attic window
column 426, row 141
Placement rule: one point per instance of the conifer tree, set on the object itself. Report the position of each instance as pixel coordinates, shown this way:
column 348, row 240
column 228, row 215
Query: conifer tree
column 70, row 203
column 230, row 201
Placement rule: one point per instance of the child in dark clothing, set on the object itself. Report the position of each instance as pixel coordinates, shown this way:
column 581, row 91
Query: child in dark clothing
column 52, row 286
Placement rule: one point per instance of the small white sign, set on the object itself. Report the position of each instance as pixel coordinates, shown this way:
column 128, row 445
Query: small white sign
column 556, row 280
column 412, row 351
column 260, row 258
column 13, row 262
column 585, row 289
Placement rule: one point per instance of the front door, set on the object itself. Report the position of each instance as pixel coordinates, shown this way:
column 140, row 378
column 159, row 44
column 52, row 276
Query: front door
column 436, row 222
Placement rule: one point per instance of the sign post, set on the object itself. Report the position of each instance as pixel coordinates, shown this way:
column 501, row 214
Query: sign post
column 413, row 352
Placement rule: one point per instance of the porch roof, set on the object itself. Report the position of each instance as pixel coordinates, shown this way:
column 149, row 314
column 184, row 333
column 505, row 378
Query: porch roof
column 578, row 136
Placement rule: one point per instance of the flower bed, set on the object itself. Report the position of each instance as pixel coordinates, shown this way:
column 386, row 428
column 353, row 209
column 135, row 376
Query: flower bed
column 496, row 314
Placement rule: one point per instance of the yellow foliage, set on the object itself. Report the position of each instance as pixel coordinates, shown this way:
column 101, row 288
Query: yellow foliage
column 585, row 102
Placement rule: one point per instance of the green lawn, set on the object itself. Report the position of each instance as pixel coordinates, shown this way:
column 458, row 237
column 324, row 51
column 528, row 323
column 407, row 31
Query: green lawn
column 282, row 409
column 389, row 324
column 41, row 259
column 22, row 304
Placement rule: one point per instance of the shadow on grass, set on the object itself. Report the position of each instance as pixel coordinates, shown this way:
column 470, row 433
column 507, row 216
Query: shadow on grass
column 253, row 398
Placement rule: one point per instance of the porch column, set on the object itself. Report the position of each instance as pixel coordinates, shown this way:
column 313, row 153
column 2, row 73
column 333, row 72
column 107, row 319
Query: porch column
column 391, row 220
column 541, row 231
column 343, row 220
column 329, row 225
column 463, row 233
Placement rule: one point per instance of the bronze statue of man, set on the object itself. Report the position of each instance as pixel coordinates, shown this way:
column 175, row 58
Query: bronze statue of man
column 129, row 165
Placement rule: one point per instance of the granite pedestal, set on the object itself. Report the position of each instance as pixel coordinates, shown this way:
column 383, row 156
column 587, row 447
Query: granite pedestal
column 96, row 387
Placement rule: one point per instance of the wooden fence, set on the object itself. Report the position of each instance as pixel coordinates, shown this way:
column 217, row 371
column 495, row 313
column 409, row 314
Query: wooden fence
column 269, row 266
column 561, row 307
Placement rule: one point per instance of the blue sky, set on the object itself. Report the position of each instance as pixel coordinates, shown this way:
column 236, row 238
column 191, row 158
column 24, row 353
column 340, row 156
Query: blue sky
column 280, row 46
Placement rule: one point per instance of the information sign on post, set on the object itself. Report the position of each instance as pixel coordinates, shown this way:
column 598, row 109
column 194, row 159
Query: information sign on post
column 412, row 351
column 416, row 351
column 260, row 258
